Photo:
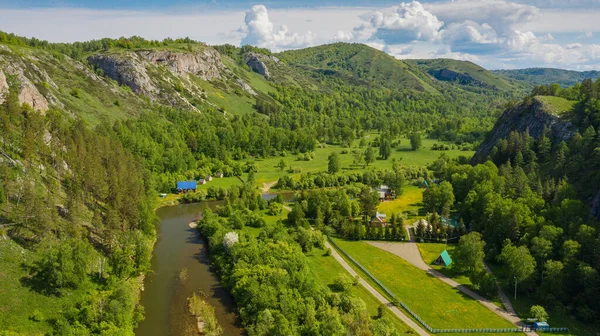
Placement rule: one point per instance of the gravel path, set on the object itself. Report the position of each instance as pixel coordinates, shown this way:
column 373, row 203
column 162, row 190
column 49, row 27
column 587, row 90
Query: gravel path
column 409, row 251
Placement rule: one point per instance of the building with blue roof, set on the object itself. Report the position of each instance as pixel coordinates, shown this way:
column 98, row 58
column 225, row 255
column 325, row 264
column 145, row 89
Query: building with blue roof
column 184, row 186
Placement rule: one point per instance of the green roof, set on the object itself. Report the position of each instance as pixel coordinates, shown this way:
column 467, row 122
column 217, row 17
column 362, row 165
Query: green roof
column 446, row 258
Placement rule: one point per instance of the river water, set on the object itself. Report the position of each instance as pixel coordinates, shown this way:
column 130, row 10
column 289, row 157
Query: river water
column 164, row 298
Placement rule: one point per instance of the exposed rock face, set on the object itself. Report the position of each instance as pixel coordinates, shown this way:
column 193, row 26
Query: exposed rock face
column 254, row 61
column 131, row 68
column 245, row 86
column 127, row 69
column 31, row 96
column 3, row 87
column 28, row 93
column 205, row 64
column 523, row 118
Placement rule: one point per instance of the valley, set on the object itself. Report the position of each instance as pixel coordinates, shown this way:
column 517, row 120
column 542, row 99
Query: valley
column 301, row 166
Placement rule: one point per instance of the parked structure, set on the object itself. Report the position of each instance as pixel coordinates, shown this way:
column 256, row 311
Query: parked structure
column 185, row 186
column 443, row 259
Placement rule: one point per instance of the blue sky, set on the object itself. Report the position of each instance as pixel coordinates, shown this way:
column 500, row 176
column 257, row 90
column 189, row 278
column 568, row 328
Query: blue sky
column 492, row 33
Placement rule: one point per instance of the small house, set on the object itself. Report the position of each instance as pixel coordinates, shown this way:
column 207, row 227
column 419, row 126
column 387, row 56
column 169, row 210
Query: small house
column 543, row 326
column 208, row 178
column 384, row 192
column 444, row 259
column 219, row 174
column 185, row 186
column 379, row 220
column 202, row 181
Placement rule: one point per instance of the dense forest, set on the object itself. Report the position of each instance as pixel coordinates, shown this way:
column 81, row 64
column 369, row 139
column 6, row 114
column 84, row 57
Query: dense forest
column 535, row 195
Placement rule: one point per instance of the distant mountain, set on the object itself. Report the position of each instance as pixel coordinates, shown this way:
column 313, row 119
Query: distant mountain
column 539, row 76
column 466, row 74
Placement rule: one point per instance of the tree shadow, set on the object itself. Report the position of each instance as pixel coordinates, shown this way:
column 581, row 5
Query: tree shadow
column 36, row 282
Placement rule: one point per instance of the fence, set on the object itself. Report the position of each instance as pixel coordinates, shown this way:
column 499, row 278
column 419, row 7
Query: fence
column 420, row 320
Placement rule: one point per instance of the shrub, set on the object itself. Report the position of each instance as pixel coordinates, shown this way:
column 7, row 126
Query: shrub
column 36, row 316
column 75, row 93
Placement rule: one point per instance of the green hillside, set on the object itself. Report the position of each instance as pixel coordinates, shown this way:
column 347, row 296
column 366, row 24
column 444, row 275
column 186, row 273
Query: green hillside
column 465, row 73
column 360, row 63
column 540, row 76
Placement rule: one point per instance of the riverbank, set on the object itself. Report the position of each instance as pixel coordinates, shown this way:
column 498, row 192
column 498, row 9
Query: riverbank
column 164, row 299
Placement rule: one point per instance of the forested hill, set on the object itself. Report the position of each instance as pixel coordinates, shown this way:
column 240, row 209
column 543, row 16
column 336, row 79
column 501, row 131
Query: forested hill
column 468, row 75
column 91, row 131
column 547, row 76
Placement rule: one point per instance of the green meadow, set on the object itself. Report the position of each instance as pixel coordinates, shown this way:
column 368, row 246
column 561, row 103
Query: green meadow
column 440, row 305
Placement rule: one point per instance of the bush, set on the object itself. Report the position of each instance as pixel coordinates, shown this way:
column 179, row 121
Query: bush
column 327, row 252
column 117, row 103
column 75, row 93
column 36, row 316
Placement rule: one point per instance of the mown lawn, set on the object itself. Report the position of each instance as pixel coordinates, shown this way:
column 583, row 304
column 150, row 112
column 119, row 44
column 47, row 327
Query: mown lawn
column 430, row 252
column 326, row 269
column 440, row 305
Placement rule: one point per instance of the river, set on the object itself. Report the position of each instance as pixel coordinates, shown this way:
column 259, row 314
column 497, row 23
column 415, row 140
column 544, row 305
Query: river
column 165, row 294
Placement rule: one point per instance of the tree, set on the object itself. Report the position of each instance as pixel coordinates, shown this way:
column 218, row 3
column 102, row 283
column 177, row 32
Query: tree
column 541, row 248
column 519, row 261
column 469, row 253
column 282, row 164
column 385, row 147
column 368, row 201
column 296, row 216
column 334, row 163
column 369, row 155
column 439, row 198
column 415, row 141
column 539, row 313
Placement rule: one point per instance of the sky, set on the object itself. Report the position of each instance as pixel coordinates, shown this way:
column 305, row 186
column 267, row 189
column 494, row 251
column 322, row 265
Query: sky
column 497, row 34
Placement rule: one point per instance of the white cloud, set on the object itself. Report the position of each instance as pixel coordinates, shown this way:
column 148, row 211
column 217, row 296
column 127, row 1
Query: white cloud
column 259, row 31
column 404, row 23
column 587, row 35
column 472, row 37
column 499, row 14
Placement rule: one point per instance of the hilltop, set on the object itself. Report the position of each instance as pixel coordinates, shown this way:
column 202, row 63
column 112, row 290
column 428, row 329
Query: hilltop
column 541, row 76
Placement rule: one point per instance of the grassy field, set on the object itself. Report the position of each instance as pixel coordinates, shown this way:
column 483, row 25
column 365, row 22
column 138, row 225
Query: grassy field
column 408, row 203
column 556, row 105
column 18, row 302
column 268, row 170
column 523, row 303
column 430, row 252
column 326, row 269
column 437, row 303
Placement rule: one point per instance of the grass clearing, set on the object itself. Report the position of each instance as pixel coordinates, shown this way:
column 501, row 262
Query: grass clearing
column 326, row 269
column 430, row 252
column 556, row 105
column 409, row 203
column 437, row 303
column 19, row 302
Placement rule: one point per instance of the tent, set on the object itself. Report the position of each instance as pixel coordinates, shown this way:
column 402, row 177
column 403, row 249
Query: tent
column 443, row 259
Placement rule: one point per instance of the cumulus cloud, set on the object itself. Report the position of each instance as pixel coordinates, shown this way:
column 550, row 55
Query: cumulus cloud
column 400, row 24
column 259, row 31
column 501, row 15
column 471, row 37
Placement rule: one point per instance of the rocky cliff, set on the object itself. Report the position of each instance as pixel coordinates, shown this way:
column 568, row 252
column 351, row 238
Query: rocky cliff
column 534, row 118
column 257, row 62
